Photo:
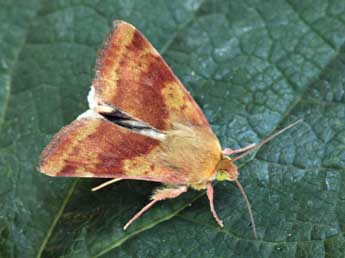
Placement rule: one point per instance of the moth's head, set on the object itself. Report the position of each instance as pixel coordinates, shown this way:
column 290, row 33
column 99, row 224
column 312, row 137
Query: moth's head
column 226, row 170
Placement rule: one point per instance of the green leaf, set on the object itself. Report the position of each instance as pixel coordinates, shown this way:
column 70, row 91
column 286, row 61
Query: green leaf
column 253, row 66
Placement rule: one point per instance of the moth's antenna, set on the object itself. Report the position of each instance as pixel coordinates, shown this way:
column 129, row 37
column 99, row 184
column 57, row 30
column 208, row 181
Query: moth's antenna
column 248, row 207
column 269, row 138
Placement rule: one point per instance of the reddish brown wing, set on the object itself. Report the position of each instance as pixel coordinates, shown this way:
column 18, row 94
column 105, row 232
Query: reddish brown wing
column 133, row 77
column 94, row 147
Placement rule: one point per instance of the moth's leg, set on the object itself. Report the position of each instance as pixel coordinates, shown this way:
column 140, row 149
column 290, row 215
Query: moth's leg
column 210, row 198
column 228, row 151
column 159, row 195
column 105, row 184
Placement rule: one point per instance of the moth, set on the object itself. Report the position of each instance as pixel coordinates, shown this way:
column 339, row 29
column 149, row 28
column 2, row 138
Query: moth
column 142, row 124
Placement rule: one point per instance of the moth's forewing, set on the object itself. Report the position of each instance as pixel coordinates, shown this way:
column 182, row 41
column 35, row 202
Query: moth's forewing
column 95, row 147
column 132, row 77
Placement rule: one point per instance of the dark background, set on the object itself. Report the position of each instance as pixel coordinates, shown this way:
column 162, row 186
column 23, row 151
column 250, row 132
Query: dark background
column 253, row 67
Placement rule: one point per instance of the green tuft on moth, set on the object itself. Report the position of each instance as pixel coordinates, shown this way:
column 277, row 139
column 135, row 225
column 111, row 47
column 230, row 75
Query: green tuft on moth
column 226, row 170
column 222, row 175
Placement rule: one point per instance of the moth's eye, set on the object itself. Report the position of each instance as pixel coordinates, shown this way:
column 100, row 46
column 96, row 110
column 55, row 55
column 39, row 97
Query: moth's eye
column 222, row 176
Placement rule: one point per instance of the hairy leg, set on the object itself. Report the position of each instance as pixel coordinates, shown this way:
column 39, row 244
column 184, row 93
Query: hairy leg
column 159, row 195
column 106, row 184
column 246, row 150
column 210, row 198
column 228, row 151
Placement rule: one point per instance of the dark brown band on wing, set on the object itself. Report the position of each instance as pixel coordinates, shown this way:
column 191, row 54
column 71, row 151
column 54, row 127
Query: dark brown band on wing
column 94, row 148
column 133, row 77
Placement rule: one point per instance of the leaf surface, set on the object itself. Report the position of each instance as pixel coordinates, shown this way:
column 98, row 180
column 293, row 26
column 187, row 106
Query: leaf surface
column 253, row 67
